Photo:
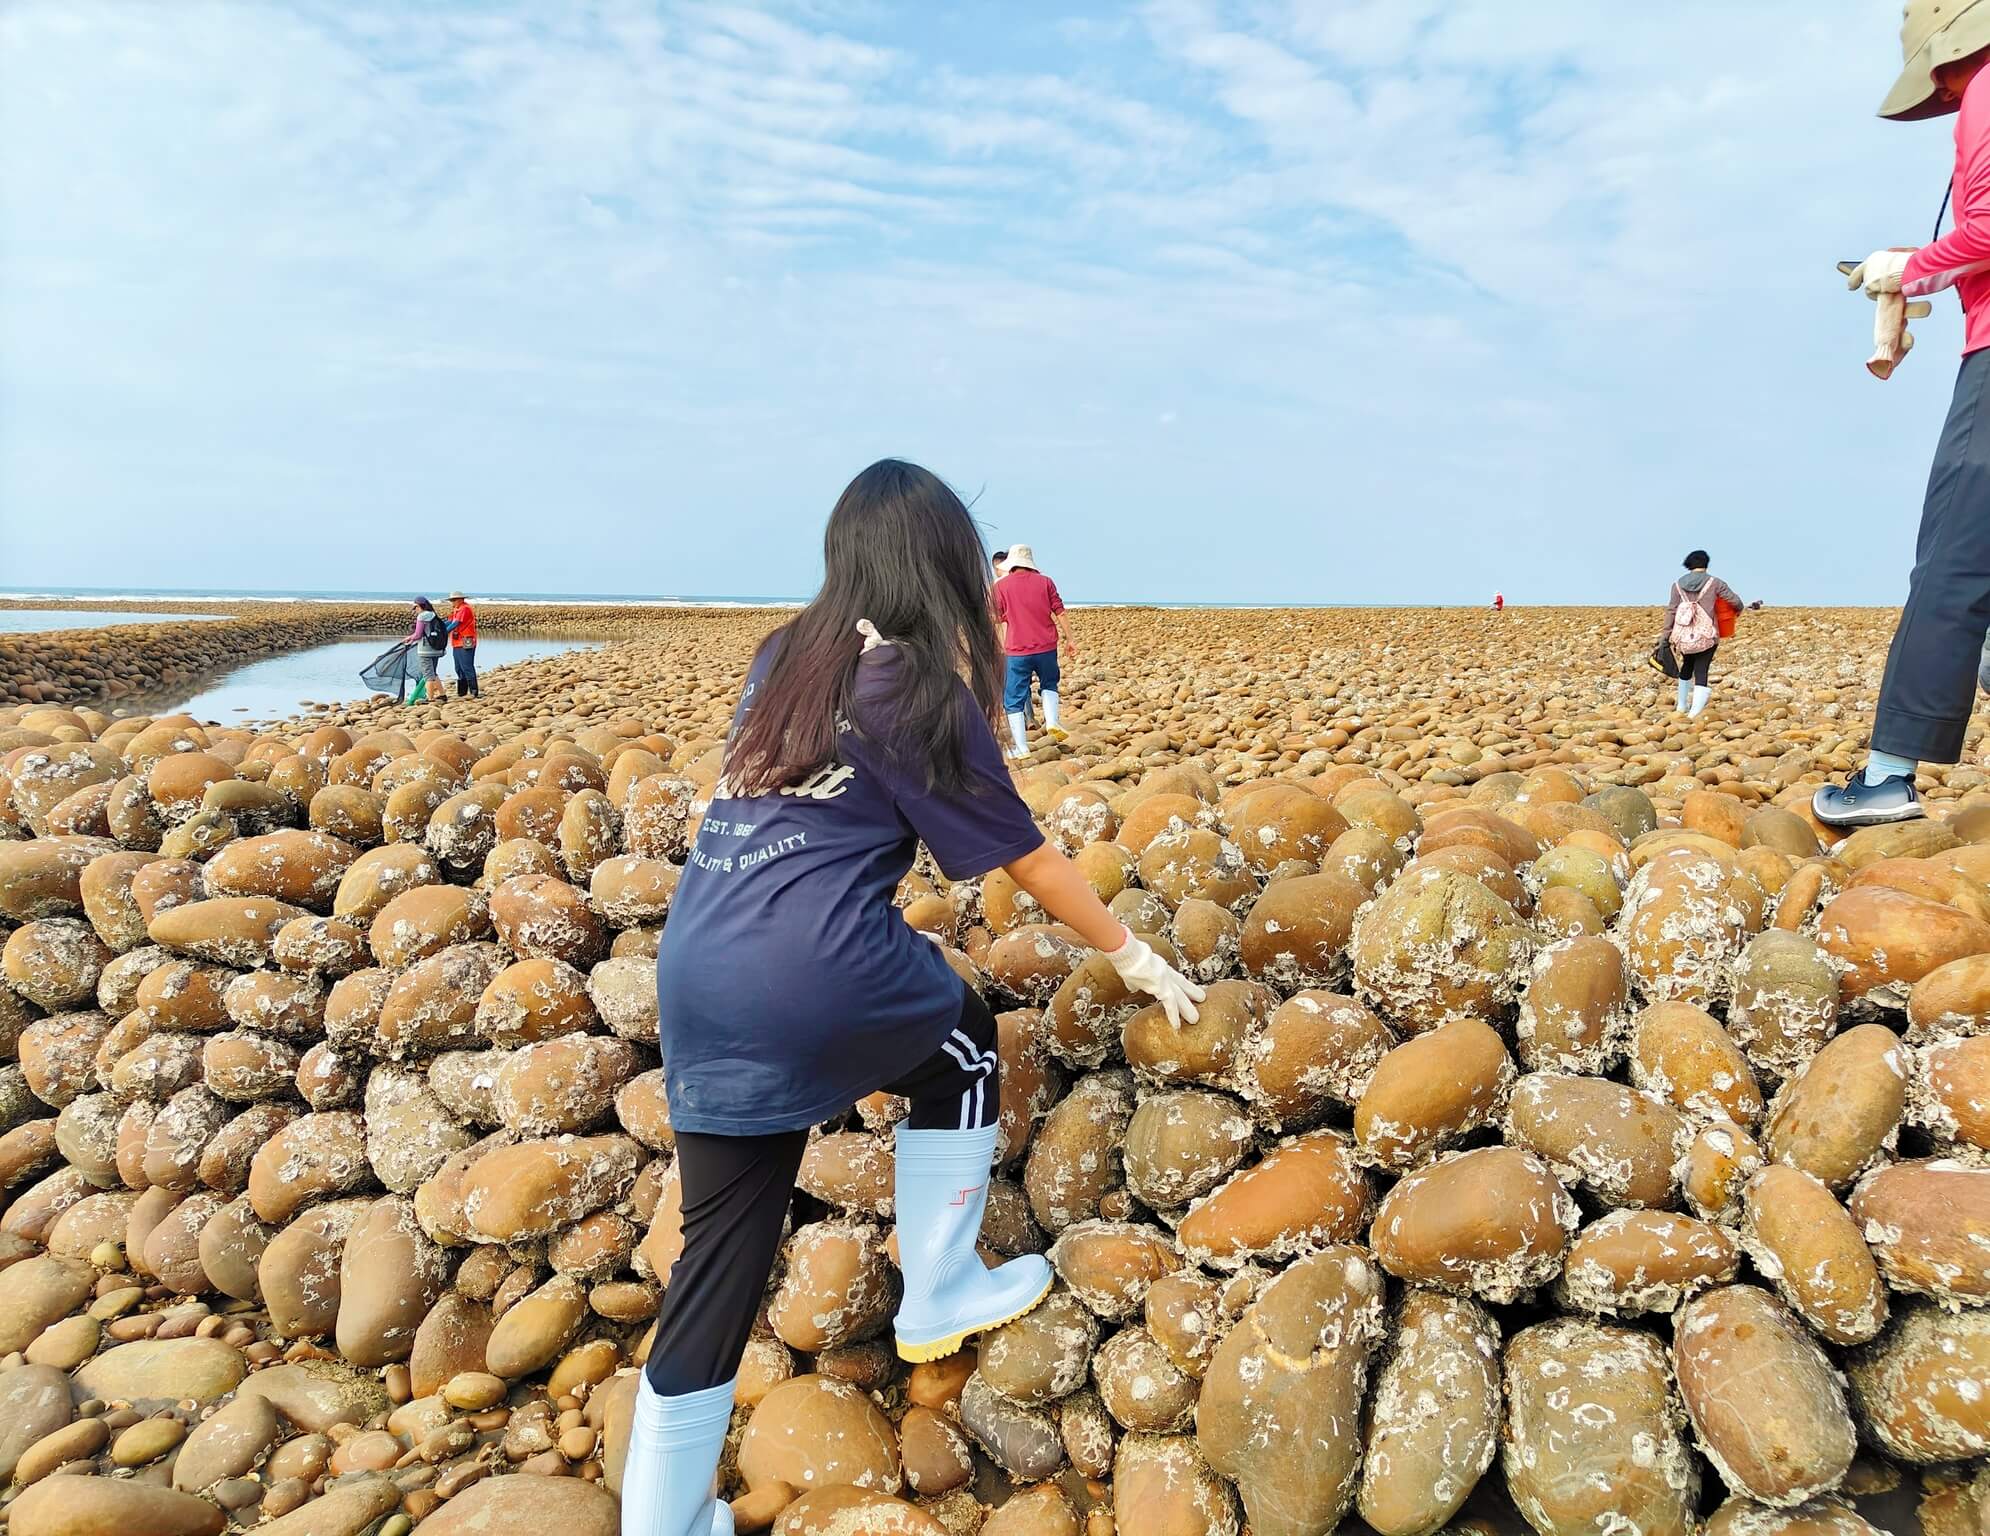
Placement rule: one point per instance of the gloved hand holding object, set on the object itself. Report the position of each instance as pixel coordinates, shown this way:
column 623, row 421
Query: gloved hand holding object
column 1879, row 276
column 1892, row 341
column 1880, row 272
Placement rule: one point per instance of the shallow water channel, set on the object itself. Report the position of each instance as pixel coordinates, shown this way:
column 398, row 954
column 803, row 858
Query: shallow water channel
column 280, row 686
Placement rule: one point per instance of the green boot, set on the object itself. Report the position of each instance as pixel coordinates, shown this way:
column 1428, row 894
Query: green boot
column 420, row 695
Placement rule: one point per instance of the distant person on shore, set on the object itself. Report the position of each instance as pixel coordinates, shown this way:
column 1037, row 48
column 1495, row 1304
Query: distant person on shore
column 1030, row 616
column 1700, row 611
column 1499, row 602
column 1925, row 696
column 463, row 645
column 788, row 987
column 430, row 638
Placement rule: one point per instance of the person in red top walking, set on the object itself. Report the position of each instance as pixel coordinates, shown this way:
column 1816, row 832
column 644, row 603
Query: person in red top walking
column 462, row 623
column 1926, row 694
column 1030, row 614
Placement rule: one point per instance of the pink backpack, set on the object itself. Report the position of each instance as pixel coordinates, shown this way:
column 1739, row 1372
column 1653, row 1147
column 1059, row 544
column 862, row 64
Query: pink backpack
column 1693, row 628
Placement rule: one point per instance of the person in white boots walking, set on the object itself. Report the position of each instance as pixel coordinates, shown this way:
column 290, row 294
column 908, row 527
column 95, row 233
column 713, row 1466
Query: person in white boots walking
column 1031, row 616
column 1699, row 610
column 789, row 987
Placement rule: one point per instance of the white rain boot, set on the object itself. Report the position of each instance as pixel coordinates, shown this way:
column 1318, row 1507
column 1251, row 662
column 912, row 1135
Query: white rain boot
column 942, row 1190
column 674, row 1445
column 1020, row 735
column 1700, row 697
column 1685, row 694
column 1050, row 715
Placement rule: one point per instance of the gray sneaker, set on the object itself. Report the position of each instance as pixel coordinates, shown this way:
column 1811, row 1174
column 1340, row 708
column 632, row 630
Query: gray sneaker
column 1859, row 804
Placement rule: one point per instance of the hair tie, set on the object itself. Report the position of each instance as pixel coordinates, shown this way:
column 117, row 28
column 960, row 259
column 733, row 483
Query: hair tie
column 872, row 639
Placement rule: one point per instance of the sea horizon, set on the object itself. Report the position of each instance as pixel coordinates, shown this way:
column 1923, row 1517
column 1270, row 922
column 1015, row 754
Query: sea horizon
column 727, row 600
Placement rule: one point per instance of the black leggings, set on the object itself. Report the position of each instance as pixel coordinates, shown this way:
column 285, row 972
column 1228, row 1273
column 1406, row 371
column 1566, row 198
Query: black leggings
column 736, row 1191
column 1694, row 668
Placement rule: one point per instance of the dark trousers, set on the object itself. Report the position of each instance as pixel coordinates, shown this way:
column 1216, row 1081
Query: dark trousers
column 1929, row 687
column 466, row 668
column 736, row 1191
column 1695, row 668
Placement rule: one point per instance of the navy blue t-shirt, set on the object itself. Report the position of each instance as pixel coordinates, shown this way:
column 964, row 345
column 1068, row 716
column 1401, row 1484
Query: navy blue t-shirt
column 788, row 985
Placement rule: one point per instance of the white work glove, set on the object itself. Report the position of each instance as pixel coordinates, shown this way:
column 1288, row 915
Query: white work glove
column 1144, row 971
column 1880, row 272
column 1892, row 341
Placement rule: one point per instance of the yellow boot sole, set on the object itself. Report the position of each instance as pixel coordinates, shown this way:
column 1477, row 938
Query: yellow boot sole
column 939, row 1349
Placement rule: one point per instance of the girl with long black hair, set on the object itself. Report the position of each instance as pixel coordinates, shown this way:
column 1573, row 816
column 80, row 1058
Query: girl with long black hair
column 789, row 987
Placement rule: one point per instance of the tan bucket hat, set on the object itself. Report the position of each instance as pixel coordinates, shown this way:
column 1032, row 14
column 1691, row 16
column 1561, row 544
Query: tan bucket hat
column 1021, row 555
column 1932, row 33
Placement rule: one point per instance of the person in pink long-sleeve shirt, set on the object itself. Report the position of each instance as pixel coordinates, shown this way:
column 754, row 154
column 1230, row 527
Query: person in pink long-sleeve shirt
column 1930, row 683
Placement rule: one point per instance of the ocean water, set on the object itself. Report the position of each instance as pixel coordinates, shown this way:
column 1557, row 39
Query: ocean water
column 280, row 686
column 35, row 621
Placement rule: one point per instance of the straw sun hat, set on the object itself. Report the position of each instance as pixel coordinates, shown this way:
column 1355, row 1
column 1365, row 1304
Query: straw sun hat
column 1933, row 33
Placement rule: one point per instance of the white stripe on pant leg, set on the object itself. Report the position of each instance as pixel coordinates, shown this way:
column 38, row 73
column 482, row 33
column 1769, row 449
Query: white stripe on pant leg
column 965, row 1105
column 987, row 1056
column 960, row 1060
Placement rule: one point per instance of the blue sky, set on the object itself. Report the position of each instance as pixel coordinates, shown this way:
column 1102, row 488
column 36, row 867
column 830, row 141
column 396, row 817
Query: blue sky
column 1236, row 300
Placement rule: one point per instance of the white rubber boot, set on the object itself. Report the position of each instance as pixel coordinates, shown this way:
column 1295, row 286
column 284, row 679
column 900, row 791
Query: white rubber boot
column 1050, row 715
column 942, row 1187
column 1685, row 694
column 1019, row 734
column 674, row 1445
column 1700, row 697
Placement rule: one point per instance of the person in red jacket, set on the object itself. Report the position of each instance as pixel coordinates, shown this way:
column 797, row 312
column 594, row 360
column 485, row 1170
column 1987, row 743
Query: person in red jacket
column 1031, row 616
column 1929, row 686
column 463, row 645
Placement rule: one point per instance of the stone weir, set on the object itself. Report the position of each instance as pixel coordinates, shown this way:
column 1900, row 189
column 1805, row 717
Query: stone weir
column 131, row 664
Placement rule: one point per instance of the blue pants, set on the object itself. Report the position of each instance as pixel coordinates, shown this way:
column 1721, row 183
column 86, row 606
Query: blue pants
column 466, row 668
column 1925, row 697
column 1016, row 689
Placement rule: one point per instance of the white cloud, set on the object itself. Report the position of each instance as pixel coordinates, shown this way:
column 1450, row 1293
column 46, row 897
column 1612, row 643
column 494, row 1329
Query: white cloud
column 617, row 294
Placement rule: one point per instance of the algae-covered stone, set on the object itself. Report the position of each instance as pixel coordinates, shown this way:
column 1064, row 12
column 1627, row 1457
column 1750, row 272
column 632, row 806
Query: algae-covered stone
column 1433, row 1419
column 837, row 1287
column 1042, row 1355
column 1630, row 1262
column 819, row 1432
column 1180, row 1145
column 1074, row 1160
column 1841, row 1114
column 1437, row 944
column 1804, row 1242
column 1922, row 1388
column 1493, row 1223
column 1785, row 1002
column 1765, row 1403
column 1280, row 1409
column 1109, row 1265
column 1162, row 1486
column 1595, row 1434
column 1307, row 1193
column 1619, row 1145
column 1430, row 1092
column 1928, row 1225
column 1575, row 1015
